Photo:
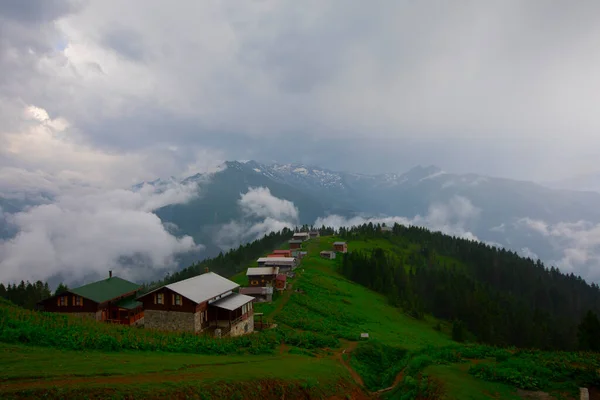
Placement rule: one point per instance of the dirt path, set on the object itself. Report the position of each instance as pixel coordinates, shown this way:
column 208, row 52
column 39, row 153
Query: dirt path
column 397, row 381
column 340, row 357
column 285, row 297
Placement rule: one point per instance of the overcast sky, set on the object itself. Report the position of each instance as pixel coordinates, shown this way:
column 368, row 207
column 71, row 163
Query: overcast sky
column 110, row 92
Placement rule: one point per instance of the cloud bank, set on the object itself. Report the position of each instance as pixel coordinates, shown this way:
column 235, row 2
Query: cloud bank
column 452, row 218
column 84, row 236
column 262, row 213
column 577, row 245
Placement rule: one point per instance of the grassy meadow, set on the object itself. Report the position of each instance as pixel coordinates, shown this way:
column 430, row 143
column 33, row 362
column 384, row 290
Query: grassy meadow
column 314, row 352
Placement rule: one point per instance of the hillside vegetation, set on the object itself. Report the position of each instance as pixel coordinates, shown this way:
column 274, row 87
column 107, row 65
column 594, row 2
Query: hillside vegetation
column 496, row 295
column 316, row 351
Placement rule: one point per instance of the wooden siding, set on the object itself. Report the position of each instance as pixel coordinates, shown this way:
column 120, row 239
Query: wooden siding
column 51, row 304
column 261, row 280
column 150, row 302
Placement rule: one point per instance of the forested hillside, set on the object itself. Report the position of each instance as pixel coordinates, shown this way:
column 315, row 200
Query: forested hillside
column 499, row 297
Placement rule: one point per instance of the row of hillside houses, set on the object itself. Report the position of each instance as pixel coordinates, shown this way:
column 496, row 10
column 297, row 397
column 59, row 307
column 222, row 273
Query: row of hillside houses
column 274, row 269
column 204, row 303
column 271, row 274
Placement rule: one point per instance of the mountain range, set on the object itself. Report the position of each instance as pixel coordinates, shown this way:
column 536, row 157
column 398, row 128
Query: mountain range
column 558, row 226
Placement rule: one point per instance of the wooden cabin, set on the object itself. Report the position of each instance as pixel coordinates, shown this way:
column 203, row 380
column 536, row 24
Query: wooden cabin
column 281, row 282
column 302, row 236
column 328, row 254
column 295, row 244
column 340, row 247
column 205, row 302
column 285, row 264
column 262, row 294
column 283, row 253
column 314, row 234
column 262, row 276
column 109, row 300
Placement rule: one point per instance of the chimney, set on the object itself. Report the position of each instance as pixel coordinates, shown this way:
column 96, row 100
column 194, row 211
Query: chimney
column 110, row 274
column 206, row 269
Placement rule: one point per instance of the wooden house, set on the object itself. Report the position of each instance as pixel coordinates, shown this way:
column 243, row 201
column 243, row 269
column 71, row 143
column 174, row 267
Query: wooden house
column 340, row 247
column 285, row 264
column 262, row 276
column 314, row 234
column 283, row 253
column 302, row 236
column 295, row 244
column 262, row 294
column 281, row 282
column 328, row 254
column 205, row 302
column 110, row 300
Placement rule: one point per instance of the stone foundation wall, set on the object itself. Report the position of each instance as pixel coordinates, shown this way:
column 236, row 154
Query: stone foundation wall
column 171, row 320
column 240, row 328
column 139, row 322
column 197, row 322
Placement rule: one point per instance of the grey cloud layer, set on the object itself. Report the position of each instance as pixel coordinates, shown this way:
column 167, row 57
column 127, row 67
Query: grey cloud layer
column 512, row 84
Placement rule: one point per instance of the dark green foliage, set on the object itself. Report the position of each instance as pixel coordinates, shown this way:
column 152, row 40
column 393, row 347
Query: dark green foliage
column 377, row 363
column 588, row 332
column 500, row 297
column 25, row 294
column 65, row 332
column 458, row 331
column 61, row 288
column 525, row 369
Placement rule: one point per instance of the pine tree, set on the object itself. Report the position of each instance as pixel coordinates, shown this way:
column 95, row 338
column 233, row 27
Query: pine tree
column 61, row 288
column 588, row 332
column 458, row 331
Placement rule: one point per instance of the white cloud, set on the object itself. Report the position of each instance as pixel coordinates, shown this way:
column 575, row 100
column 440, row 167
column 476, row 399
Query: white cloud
column 260, row 203
column 43, row 154
column 451, row 218
column 526, row 252
column 262, row 213
column 86, row 235
column 577, row 243
column 536, row 225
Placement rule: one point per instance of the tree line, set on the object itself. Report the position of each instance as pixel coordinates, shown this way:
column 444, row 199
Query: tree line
column 494, row 294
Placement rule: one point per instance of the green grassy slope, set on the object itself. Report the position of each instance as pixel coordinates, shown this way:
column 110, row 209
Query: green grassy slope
column 331, row 304
column 35, row 368
column 313, row 353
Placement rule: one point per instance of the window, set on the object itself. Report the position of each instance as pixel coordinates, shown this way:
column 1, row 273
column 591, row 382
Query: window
column 177, row 300
column 63, row 301
column 77, row 301
column 160, row 298
column 244, row 310
column 254, row 282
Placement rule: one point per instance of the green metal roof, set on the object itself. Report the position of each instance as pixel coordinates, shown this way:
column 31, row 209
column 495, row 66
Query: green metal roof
column 129, row 304
column 106, row 289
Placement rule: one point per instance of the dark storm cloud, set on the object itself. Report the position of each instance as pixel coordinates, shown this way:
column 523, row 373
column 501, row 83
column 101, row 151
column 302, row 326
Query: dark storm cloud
column 35, row 11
